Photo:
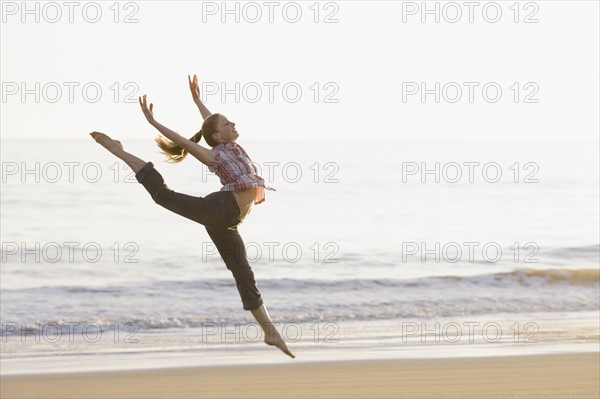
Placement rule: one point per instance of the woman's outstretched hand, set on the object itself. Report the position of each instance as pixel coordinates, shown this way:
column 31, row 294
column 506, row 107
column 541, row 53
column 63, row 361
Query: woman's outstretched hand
column 147, row 110
column 194, row 88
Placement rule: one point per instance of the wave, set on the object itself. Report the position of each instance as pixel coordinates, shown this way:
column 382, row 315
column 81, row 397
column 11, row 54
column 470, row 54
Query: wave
column 183, row 304
column 518, row 277
column 550, row 276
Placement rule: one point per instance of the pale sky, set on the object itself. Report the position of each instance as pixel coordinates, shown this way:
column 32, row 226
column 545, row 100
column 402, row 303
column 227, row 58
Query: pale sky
column 371, row 66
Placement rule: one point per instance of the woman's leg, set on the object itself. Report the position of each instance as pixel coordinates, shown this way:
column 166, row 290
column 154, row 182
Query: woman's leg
column 231, row 247
column 272, row 336
column 116, row 148
column 218, row 209
column 215, row 209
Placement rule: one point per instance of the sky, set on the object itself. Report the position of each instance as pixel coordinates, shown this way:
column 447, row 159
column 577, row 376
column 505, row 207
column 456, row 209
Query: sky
column 304, row 70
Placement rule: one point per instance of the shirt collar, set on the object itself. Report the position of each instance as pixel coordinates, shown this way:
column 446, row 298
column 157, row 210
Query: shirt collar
column 225, row 146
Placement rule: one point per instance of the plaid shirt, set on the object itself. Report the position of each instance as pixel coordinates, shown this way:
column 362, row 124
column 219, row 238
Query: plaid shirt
column 236, row 170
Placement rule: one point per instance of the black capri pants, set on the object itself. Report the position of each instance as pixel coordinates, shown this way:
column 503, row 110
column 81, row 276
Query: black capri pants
column 220, row 215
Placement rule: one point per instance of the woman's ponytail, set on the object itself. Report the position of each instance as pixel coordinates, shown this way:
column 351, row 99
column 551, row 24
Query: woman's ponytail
column 174, row 152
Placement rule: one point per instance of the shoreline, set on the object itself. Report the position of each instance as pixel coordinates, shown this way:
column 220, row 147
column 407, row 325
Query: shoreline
column 81, row 364
column 157, row 355
column 543, row 376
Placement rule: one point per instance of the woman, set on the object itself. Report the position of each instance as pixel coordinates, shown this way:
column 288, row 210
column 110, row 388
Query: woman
column 220, row 212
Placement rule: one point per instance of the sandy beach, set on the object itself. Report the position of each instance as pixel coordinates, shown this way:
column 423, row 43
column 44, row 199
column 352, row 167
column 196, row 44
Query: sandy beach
column 536, row 376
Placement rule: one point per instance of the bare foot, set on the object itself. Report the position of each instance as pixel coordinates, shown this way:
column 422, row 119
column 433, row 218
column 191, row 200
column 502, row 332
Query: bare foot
column 114, row 146
column 273, row 338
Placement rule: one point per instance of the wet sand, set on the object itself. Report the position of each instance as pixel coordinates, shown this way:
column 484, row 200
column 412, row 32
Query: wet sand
column 535, row 376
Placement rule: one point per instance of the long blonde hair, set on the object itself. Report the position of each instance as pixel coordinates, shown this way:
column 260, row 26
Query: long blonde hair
column 176, row 154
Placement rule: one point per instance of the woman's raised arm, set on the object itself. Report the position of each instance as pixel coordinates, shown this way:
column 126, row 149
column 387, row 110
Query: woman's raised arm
column 195, row 89
column 202, row 154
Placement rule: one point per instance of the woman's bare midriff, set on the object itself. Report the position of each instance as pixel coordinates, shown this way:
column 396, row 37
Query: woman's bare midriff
column 245, row 200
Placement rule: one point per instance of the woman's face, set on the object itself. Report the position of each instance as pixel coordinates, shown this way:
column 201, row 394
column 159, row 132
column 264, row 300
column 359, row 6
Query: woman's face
column 226, row 132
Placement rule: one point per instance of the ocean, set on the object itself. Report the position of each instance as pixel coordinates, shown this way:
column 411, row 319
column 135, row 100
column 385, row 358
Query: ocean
column 366, row 250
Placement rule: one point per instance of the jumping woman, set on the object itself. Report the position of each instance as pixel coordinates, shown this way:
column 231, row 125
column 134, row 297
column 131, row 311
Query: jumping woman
column 220, row 212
